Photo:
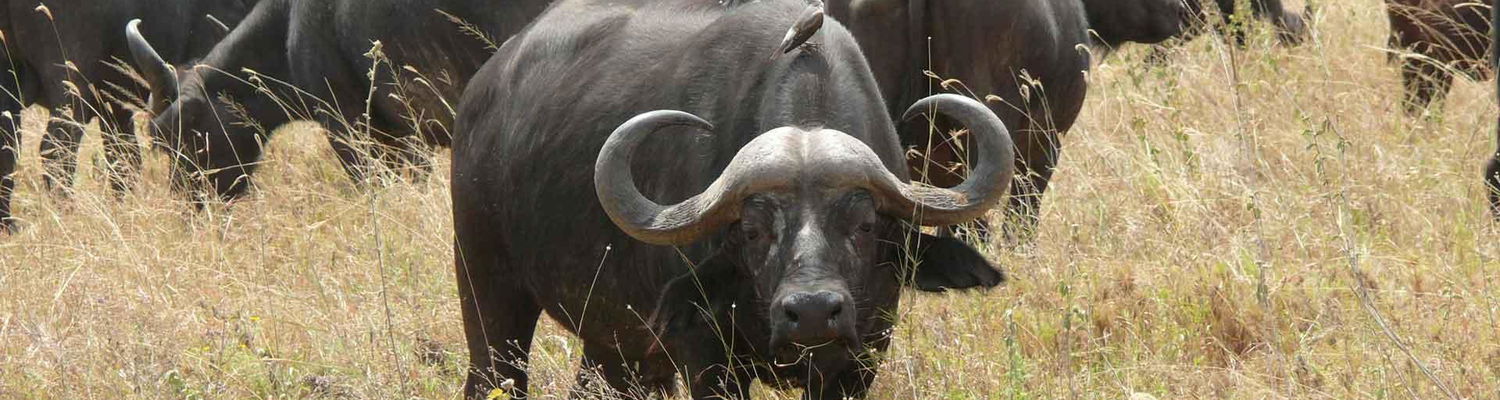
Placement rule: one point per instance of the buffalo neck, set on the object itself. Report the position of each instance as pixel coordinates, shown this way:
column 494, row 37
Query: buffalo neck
column 257, row 45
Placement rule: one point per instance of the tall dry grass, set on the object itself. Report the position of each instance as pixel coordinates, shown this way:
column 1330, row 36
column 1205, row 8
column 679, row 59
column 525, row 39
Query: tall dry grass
column 1240, row 224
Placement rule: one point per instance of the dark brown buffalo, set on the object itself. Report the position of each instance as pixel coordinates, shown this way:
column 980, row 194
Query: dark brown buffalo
column 1440, row 38
column 779, row 252
column 60, row 57
column 1291, row 28
column 1027, row 59
column 1117, row 22
column 318, row 61
column 1437, row 40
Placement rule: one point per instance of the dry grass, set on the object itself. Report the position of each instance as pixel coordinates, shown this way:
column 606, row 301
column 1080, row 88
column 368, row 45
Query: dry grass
column 1207, row 237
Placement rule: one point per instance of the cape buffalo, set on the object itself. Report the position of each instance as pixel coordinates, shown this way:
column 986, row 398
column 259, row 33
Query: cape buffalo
column 1291, row 28
column 59, row 53
column 1029, row 55
column 785, row 182
column 1116, row 22
column 315, row 60
column 1444, row 37
column 1152, row 21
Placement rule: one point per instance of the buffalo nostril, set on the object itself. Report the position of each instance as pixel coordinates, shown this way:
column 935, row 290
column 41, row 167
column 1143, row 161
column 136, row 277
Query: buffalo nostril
column 812, row 318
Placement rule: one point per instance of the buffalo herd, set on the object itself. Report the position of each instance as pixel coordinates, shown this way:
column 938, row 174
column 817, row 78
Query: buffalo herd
column 765, row 172
column 314, row 60
column 66, row 55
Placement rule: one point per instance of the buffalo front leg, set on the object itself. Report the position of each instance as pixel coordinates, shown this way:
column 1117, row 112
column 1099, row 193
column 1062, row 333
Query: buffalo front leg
column 499, row 320
column 622, row 377
column 1036, row 159
column 1026, row 197
column 10, row 151
column 60, row 148
column 121, row 150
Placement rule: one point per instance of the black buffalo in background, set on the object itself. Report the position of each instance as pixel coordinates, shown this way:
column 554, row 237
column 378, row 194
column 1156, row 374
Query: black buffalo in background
column 782, row 186
column 317, row 60
column 1116, row 22
column 1435, row 40
column 64, row 55
column 1439, row 38
column 1027, row 60
column 1291, row 27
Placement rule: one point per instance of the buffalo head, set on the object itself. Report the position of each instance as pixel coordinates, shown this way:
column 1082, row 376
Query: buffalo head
column 205, row 117
column 816, row 223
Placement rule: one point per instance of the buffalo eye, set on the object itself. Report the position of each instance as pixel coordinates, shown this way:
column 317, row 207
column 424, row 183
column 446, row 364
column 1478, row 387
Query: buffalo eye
column 859, row 208
column 756, row 220
column 754, row 231
column 748, row 232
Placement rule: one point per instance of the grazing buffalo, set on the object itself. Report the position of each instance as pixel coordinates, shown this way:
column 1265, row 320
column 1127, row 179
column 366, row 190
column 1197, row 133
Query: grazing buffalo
column 1028, row 58
column 788, row 203
column 1443, row 37
column 62, row 56
column 1291, row 28
column 320, row 60
column 1116, row 22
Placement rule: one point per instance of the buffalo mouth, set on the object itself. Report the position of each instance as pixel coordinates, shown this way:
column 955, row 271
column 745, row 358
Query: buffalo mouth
column 793, row 354
column 838, row 345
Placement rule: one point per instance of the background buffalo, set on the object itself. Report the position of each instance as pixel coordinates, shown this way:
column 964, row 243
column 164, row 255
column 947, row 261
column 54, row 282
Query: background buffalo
column 319, row 60
column 1441, row 38
column 1026, row 60
column 65, row 55
column 1291, row 27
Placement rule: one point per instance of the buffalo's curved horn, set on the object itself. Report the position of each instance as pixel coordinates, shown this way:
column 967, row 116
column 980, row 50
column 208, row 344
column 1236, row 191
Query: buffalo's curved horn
column 159, row 74
column 987, row 183
column 637, row 215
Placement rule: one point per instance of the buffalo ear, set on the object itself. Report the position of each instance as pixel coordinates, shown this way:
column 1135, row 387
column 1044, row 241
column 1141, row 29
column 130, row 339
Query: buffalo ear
column 944, row 263
column 696, row 297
